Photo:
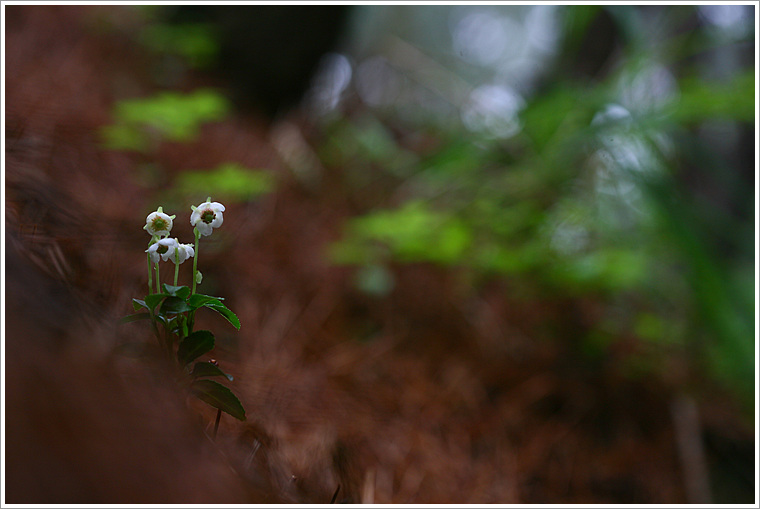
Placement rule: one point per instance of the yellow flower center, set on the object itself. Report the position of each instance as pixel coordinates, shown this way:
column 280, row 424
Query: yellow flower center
column 161, row 249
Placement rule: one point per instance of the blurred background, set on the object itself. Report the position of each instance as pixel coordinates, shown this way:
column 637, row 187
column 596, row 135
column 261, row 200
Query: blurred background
column 481, row 253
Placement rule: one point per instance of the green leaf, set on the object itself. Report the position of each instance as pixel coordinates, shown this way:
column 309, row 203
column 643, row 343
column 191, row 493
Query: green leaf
column 199, row 300
column 225, row 312
column 183, row 292
column 174, row 305
column 178, row 325
column 218, row 396
column 137, row 304
column 195, row 345
column 134, row 317
column 202, row 369
column 153, row 300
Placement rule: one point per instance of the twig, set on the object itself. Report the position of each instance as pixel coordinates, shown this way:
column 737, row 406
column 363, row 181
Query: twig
column 335, row 495
column 691, row 450
column 216, row 424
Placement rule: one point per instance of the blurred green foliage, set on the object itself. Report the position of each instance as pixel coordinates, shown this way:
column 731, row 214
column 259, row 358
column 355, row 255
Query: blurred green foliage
column 227, row 182
column 405, row 234
column 589, row 198
column 700, row 100
column 585, row 201
column 195, row 43
column 140, row 124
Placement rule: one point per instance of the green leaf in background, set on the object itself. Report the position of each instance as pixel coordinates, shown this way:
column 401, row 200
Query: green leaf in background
column 195, row 345
column 202, row 369
column 700, row 100
column 609, row 268
column 218, row 396
column 347, row 251
column 194, row 42
column 414, row 233
column 176, row 116
column 170, row 115
column 547, row 114
column 124, row 137
column 229, row 181
column 225, row 312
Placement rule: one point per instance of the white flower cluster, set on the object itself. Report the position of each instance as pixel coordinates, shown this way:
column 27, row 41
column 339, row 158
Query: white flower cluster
column 205, row 217
column 170, row 249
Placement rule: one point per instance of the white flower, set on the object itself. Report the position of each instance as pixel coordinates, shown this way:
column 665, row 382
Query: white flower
column 159, row 224
column 183, row 252
column 207, row 216
column 162, row 249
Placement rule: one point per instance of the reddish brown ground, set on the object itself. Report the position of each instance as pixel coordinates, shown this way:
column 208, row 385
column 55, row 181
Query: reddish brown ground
column 437, row 394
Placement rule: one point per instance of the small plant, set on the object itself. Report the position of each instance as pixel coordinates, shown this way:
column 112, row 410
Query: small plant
column 171, row 308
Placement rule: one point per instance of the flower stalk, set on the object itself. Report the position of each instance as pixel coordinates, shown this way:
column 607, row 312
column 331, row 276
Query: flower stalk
column 195, row 258
column 150, row 277
column 176, row 265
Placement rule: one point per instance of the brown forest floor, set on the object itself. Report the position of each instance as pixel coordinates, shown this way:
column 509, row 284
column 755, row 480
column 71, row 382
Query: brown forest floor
column 424, row 397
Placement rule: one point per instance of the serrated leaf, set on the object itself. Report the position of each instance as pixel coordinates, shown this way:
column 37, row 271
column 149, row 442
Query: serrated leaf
column 183, row 292
column 134, row 317
column 218, row 396
column 174, row 305
column 202, row 369
column 195, row 345
column 137, row 304
column 225, row 312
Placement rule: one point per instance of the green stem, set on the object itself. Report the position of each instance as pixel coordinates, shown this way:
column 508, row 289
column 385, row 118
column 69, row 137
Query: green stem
column 155, row 329
column 176, row 265
column 195, row 258
column 150, row 277
column 158, row 279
